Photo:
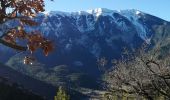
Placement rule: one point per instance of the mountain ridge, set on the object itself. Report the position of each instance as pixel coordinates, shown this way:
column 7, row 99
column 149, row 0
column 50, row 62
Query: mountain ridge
column 92, row 16
column 82, row 39
column 68, row 32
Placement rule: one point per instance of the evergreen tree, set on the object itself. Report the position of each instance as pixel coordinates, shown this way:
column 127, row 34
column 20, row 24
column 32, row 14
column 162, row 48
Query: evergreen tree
column 61, row 94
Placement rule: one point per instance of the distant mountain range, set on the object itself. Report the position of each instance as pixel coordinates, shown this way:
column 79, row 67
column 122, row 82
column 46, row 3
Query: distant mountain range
column 83, row 37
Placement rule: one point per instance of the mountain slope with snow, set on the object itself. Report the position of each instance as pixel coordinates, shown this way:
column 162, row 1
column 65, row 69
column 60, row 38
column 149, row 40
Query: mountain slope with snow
column 81, row 38
column 85, row 20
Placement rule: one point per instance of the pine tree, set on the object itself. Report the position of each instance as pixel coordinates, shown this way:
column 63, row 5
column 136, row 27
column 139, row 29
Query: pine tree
column 61, row 94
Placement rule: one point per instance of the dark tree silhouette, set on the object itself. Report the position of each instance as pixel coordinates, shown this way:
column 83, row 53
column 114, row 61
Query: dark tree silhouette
column 144, row 74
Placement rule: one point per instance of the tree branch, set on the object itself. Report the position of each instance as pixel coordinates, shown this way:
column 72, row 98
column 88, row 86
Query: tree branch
column 17, row 47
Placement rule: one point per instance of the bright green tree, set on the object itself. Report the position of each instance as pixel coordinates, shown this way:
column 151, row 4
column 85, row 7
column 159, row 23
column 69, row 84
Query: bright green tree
column 61, row 94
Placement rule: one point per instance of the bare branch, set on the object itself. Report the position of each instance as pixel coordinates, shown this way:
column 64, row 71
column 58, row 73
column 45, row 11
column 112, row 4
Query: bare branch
column 14, row 46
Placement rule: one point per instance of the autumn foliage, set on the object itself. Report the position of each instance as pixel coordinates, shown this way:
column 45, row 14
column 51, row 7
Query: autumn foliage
column 23, row 11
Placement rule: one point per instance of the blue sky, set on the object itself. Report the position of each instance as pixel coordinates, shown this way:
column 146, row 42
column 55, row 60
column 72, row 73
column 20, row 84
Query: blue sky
column 160, row 8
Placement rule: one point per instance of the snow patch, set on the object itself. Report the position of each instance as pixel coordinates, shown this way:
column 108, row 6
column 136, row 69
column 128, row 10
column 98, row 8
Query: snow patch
column 138, row 12
column 101, row 12
column 133, row 16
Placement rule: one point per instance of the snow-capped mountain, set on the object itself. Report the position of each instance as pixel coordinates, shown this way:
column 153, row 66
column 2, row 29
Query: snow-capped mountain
column 97, row 32
column 85, row 21
column 93, row 29
column 83, row 37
